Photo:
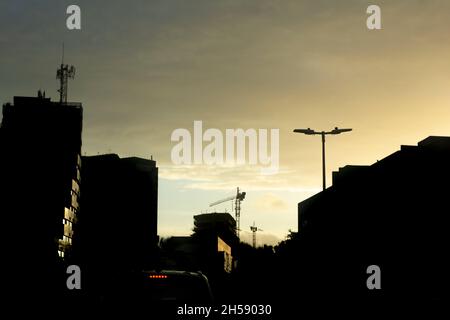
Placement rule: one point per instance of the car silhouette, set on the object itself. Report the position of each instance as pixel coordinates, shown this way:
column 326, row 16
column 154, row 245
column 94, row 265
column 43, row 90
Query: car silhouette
column 172, row 286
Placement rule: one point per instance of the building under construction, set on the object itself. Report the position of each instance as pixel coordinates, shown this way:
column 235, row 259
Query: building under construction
column 215, row 232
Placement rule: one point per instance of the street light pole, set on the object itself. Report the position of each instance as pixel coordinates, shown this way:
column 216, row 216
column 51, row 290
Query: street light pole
column 309, row 131
column 324, row 184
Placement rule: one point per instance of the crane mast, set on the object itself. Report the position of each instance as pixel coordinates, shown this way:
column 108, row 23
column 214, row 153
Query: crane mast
column 254, row 229
column 238, row 198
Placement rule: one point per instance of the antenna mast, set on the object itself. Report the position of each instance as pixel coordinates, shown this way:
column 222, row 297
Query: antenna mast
column 64, row 73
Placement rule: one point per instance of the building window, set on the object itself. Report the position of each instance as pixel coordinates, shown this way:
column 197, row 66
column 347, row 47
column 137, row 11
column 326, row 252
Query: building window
column 75, row 186
column 61, row 253
column 70, row 214
column 67, row 239
column 67, row 222
column 74, row 203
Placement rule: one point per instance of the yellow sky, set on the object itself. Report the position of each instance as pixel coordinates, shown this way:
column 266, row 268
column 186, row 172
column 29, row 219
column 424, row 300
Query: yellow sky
column 159, row 65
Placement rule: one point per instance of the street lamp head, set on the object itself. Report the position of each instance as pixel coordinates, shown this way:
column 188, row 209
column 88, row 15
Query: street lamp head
column 336, row 130
column 305, row 131
column 309, row 131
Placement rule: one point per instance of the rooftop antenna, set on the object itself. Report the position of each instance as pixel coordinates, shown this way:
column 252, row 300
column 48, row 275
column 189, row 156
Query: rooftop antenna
column 64, row 73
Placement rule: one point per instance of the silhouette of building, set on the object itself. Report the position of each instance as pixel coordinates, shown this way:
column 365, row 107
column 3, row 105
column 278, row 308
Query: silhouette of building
column 180, row 253
column 393, row 213
column 216, row 235
column 220, row 224
column 209, row 248
column 118, row 218
column 39, row 187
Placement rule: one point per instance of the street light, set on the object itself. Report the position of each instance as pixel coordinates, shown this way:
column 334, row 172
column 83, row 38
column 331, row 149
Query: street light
column 309, row 131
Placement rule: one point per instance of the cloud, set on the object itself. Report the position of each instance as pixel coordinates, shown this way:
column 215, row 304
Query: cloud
column 203, row 177
column 147, row 68
column 271, row 201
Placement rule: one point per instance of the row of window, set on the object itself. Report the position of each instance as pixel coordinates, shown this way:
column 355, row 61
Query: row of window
column 75, row 186
column 67, row 239
column 68, row 230
column 69, row 217
column 74, row 201
column 70, row 214
column 67, row 222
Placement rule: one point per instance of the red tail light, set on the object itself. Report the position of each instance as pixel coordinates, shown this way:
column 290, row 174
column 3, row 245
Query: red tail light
column 157, row 276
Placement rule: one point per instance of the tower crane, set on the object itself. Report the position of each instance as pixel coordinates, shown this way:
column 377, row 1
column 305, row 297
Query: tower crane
column 254, row 229
column 240, row 196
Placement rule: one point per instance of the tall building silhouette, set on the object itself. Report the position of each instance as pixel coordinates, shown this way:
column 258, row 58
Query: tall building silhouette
column 394, row 214
column 40, row 185
column 117, row 231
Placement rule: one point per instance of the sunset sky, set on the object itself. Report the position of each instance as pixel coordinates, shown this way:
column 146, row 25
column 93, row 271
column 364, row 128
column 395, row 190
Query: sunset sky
column 146, row 68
